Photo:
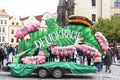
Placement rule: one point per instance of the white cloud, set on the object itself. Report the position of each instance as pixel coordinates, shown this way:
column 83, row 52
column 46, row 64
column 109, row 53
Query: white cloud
column 28, row 7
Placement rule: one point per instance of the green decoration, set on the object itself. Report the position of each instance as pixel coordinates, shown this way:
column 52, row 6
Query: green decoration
column 23, row 70
column 61, row 36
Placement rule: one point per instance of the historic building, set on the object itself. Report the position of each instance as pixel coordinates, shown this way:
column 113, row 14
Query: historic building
column 4, row 27
column 14, row 23
column 93, row 9
column 115, row 7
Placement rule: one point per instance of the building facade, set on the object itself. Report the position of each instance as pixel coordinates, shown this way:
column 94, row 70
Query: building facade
column 93, row 9
column 4, row 27
column 115, row 7
column 14, row 24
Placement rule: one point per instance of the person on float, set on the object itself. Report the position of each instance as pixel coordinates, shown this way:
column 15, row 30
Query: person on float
column 36, row 52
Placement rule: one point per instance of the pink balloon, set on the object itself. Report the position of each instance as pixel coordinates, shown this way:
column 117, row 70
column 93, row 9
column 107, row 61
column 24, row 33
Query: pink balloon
column 57, row 53
column 102, row 41
column 101, row 44
column 41, row 53
column 65, row 54
column 61, row 54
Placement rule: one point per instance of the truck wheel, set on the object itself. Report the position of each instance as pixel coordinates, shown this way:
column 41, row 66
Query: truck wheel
column 42, row 72
column 57, row 72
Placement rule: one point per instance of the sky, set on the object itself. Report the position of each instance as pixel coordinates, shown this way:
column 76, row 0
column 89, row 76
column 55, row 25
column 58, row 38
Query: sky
column 28, row 7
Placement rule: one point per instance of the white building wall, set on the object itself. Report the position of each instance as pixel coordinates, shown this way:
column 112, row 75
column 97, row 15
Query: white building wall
column 106, row 8
column 6, row 27
column 7, row 31
column 85, row 8
column 13, row 27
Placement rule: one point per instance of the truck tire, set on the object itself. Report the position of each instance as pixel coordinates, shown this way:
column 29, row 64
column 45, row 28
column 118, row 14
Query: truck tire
column 57, row 72
column 42, row 72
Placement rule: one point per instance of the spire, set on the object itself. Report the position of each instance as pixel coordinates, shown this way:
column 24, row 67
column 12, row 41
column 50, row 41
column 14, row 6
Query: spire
column 62, row 3
column 64, row 10
column 70, row 7
column 61, row 13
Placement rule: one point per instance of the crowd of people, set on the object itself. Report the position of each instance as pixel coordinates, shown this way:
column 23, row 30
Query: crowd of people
column 78, row 56
column 7, row 53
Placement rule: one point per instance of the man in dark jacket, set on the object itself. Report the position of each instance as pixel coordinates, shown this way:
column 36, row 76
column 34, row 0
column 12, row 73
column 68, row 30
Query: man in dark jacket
column 2, row 56
column 108, row 60
column 81, row 55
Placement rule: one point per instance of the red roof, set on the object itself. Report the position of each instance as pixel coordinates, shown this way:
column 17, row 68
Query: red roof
column 22, row 19
column 38, row 17
column 3, row 12
column 10, row 17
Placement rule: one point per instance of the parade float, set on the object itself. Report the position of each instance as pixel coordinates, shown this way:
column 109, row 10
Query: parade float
column 25, row 63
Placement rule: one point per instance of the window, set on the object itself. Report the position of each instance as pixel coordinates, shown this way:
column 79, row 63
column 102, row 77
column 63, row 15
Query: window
column 43, row 30
column 12, row 32
column 116, row 3
column 93, row 2
column 1, row 21
column 0, row 38
column 5, row 21
column 12, row 40
column 94, row 17
column 27, row 39
column 117, row 14
column 3, row 39
column 3, row 29
column 17, row 40
column 12, row 23
column 17, row 23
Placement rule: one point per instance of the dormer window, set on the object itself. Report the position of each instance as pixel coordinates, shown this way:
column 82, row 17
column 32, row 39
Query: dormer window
column 12, row 23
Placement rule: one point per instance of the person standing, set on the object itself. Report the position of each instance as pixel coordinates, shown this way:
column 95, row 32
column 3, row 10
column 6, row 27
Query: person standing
column 108, row 60
column 89, row 60
column 97, row 62
column 2, row 55
column 10, row 52
column 81, row 56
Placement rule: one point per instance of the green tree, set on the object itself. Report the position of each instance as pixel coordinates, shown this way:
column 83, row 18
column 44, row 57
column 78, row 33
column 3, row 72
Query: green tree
column 109, row 27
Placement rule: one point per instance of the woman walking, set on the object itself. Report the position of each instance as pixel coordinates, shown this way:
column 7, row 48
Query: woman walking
column 108, row 61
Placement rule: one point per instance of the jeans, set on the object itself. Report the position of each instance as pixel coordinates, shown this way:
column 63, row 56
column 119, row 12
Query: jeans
column 98, row 66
